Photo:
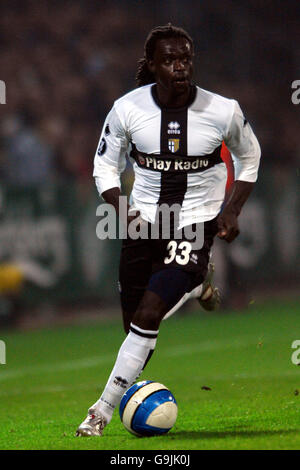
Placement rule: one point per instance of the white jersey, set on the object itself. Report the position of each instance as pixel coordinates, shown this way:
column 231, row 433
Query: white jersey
column 175, row 151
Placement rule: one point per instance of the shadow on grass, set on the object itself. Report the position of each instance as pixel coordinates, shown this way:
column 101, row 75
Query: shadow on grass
column 226, row 434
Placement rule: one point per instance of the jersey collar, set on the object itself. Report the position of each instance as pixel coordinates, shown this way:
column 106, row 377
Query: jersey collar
column 191, row 99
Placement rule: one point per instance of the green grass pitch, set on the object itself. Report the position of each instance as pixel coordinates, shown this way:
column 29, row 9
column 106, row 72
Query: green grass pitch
column 52, row 376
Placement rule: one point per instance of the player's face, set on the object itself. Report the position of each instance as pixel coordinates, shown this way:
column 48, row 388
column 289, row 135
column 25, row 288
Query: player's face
column 172, row 64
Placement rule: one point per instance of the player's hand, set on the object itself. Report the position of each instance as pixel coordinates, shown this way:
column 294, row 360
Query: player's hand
column 228, row 225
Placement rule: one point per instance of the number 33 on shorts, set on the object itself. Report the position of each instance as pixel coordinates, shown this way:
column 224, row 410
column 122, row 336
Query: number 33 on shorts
column 182, row 257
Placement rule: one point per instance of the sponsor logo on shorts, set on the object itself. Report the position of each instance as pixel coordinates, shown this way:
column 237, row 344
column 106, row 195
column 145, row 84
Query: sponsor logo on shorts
column 194, row 258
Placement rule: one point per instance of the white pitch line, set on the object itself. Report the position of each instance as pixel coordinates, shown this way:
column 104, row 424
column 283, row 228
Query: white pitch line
column 214, row 378
column 62, row 367
column 85, row 363
column 254, row 375
column 208, row 346
column 45, row 389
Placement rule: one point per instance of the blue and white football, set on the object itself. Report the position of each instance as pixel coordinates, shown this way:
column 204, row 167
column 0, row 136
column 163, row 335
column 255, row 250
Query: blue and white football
column 148, row 409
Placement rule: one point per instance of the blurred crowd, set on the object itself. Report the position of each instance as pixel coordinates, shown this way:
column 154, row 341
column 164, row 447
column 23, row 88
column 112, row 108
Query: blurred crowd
column 64, row 63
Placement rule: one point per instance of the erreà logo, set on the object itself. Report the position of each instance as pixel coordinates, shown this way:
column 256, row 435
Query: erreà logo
column 174, row 127
column 120, row 382
column 173, row 145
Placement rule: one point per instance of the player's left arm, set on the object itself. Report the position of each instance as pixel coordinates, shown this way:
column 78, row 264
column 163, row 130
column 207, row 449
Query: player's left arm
column 245, row 150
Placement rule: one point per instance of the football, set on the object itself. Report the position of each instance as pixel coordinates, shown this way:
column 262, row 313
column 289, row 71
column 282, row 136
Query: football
column 148, row 408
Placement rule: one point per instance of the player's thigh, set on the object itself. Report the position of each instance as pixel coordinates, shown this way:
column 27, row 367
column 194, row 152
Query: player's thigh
column 190, row 256
column 169, row 268
column 165, row 289
column 170, row 285
column 134, row 273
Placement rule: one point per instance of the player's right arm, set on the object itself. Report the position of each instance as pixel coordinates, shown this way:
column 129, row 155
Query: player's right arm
column 110, row 158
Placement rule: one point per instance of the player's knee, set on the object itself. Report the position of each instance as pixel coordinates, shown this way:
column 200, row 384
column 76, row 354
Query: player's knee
column 127, row 318
column 126, row 326
column 150, row 311
column 165, row 289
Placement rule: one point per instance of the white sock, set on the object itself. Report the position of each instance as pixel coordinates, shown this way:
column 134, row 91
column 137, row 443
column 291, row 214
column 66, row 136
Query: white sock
column 196, row 292
column 133, row 355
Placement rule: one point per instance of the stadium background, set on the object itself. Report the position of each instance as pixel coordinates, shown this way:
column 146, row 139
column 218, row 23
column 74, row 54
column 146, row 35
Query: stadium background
column 64, row 63
column 234, row 374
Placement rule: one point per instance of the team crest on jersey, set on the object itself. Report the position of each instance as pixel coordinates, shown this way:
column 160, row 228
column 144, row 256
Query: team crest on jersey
column 173, row 145
column 174, row 127
column 102, row 147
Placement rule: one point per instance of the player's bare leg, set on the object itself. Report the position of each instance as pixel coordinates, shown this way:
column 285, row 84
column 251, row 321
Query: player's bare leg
column 135, row 351
column 127, row 319
column 150, row 311
column 133, row 356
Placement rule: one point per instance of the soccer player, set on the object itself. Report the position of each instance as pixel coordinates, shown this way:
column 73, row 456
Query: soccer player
column 173, row 132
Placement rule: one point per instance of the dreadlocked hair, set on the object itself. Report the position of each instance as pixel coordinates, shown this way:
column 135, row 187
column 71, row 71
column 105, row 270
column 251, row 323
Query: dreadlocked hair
column 143, row 75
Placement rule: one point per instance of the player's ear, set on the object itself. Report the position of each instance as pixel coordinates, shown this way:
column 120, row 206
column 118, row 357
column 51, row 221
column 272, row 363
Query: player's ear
column 151, row 66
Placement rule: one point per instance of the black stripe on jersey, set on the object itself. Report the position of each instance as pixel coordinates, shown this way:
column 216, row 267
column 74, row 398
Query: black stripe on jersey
column 173, row 185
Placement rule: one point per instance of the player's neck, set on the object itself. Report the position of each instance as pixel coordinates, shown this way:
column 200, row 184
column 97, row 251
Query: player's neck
column 170, row 100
